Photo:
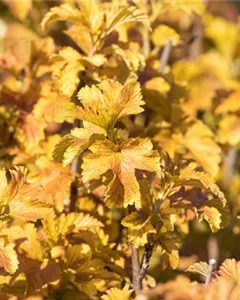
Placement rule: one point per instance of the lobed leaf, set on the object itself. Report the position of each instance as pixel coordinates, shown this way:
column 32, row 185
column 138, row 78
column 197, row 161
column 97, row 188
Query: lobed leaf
column 117, row 294
column 8, row 257
column 109, row 101
column 122, row 160
column 199, row 268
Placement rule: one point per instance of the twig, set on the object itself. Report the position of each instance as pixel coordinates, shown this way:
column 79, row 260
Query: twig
column 145, row 261
column 196, row 47
column 74, row 185
column 135, row 269
column 229, row 163
column 212, row 247
column 146, row 44
column 211, row 265
column 165, row 56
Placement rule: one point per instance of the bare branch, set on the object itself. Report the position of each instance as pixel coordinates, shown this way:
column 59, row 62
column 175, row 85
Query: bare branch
column 145, row 260
column 213, row 248
column 196, row 47
column 165, row 56
column 229, row 166
column 211, row 266
column 135, row 269
column 74, row 185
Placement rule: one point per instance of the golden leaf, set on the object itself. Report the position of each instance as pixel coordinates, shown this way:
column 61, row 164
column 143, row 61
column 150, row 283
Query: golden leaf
column 56, row 181
column 117, row 294
column 229, row 130
column 18, row 8
column 29, row 131
column 230, row 104
column 169, row 243
column 107, row 102
column 25, row 201
column 8, row 257
column 122, row 160
column 230, row 269
column 199, row 268
column 199, row 140
column 189, row 176
column 136, row 220
column 218, row 29
column 213, row 217
column 31, row 246
column 63, row 12
column 162, row 34
column 186, row 6
column 139, row 225
column 122, row 15
column 66, row 66
column 70, row 223
column 52, row 106
column 73, row 144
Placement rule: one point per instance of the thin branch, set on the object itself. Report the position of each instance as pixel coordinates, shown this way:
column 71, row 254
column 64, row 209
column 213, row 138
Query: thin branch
column 196, row 47
column 74, row 185
column 213, row 248
column 146, row 44
column 165, row 56
column 135, row 269
column 145, row 261
column 229, row 166
column 211, row 266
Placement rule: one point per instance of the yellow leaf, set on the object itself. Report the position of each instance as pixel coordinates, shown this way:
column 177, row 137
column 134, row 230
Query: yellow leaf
column 77, row 255
column 25, row 201
column 66, row 66
column 199, row 268
column 139, row 226
column 136, row 220
column 199, row 140
column 8, row 257
column 122, row 160
column 29, row 210
column 122, row 15
column 168, row 242
column 162, row 34
column 69, row 223
column 63, row 12
column 191, row 7
column 229, row 130
column 189, row 176
column 105, row 103
column 117, row 294
column 230, row 269
column 213, row 217
column 52, row 106
column 93, row 14
column 218, row 29
column 29, row 131
column 31, row 246
column 73, row 144
column 158, row 84
column 56, row 181
column 230, row 104
column 19, row 8
column 133, row 58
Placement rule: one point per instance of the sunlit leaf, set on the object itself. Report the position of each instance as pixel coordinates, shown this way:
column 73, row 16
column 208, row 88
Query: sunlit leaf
column 122, row 160
column 8, row 257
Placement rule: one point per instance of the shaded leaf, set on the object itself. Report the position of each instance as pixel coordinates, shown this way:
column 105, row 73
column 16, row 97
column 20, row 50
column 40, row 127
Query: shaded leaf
column 199, row 268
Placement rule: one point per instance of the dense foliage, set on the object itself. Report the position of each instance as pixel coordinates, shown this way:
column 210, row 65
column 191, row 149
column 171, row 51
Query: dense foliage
column 119, row 149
